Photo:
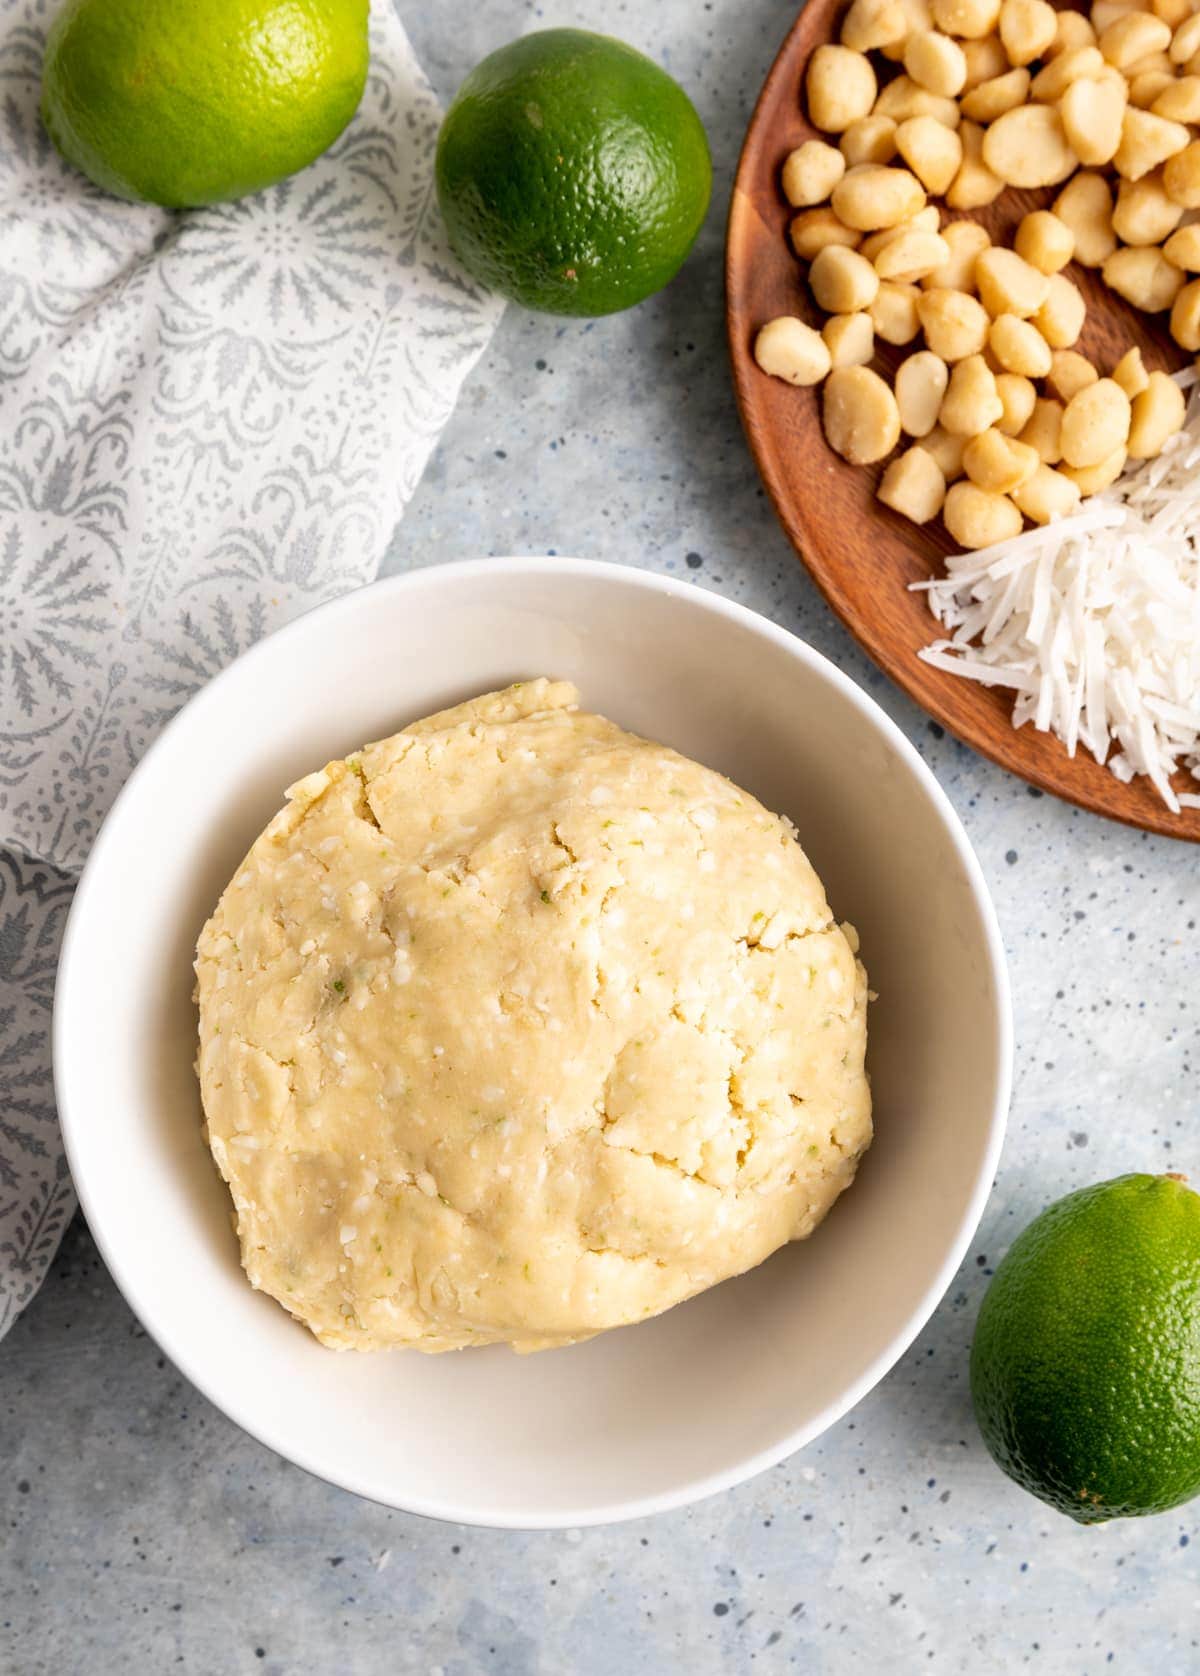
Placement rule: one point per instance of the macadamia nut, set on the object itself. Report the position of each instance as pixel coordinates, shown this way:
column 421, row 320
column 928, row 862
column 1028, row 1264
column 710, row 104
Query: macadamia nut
column 998, row 462
column 1019, row 346
column 1182, row 249
column 947, row 450
column 935, row 62
column 1069, row 373
column 965, row 240
column 1085, row 206
column 1144, row 212
column 1046, row 495
column 974, row 185
column 986, row 59
column 1179, row 100
column 1181, row 176
column 1052, row 82
column 872, row 195
column 1017, row 396
column 788, row 349
column 992, row 99
column 1144, row 277
column 914, row 486
column 969, row 19
column 872, row 139
column 1146, row 141
column 1027, row 29
column 903, row 98
column 840, row 86
column 971, row 403
column 1132, row 37
column 1093, row 111
column 1060, row 318
column 850, row 339
column 1028, row 147
column 1008, row 284
column 1130, row 373
column 811, row 172
column 1044, row 241
column 1072, row 31
column 842, row 281
column 911, row 256
column 1185, row 317
column 1157, row 413
column 1089, row 480
column 870, row 24
column 813, row 229
column 977, row 518
column 894, row 312
column 1095, row 423
column 1043, row 430
column 955, row 325
column 862, row 422
column 921, row 382
column 932, row 151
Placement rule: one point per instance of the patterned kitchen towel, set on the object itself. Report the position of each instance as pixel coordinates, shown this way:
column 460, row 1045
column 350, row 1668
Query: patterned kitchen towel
column 208, row 423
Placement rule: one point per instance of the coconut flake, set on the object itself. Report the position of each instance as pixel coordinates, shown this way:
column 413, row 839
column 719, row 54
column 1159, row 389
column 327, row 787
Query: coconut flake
column 1093, row 621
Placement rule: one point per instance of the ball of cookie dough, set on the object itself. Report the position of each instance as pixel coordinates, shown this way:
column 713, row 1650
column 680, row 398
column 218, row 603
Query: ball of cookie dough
column 515, row 1027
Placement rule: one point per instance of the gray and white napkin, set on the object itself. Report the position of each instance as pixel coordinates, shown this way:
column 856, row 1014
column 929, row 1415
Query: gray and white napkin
column 208, row 423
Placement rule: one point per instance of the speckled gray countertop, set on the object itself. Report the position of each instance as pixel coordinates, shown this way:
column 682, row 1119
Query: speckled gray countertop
column 142, row 1532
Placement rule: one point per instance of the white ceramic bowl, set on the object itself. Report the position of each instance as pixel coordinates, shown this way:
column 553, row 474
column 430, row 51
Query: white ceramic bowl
column 654, row 1415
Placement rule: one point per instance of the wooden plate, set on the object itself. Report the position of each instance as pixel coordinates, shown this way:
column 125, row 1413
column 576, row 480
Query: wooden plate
column 862, row 555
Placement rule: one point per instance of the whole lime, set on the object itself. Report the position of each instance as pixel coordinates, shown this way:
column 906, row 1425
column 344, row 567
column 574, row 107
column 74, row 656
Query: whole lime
column 1085, row 1370
column 573, row 174
column 191, row 103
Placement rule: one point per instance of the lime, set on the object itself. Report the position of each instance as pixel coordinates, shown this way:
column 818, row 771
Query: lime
column 1085, row 1370
column 573, row 173
column 190, row 103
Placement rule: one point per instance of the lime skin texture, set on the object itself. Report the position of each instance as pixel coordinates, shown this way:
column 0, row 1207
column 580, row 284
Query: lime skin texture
column 573, row 174
column 1085, row 1368
column 191, row 102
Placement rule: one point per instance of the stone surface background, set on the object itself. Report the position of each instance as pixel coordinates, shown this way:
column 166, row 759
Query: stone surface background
column 141, row 1531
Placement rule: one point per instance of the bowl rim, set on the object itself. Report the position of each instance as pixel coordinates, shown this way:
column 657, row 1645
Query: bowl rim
column 456, row 1510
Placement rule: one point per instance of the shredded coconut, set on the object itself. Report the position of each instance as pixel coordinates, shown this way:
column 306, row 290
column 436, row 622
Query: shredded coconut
column 1094, row 621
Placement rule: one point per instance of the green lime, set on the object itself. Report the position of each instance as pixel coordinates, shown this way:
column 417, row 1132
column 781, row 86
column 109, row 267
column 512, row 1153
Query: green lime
column 185, row 102
column 1085, row 1370
column 573, row 174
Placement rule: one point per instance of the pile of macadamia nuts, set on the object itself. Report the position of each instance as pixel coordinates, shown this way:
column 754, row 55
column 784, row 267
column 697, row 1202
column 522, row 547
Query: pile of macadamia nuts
column 1006, row 419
